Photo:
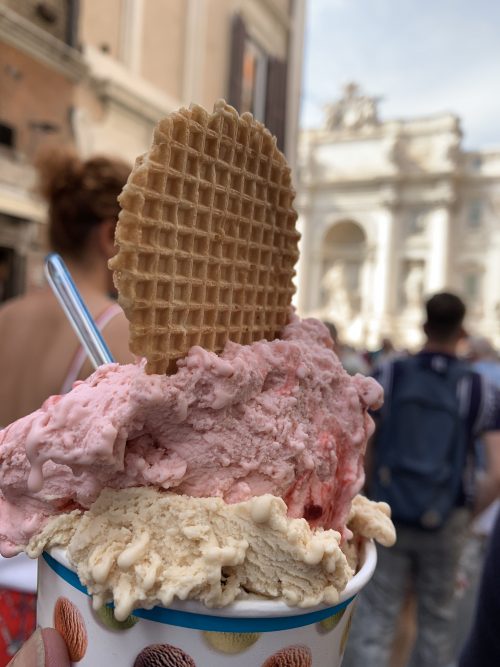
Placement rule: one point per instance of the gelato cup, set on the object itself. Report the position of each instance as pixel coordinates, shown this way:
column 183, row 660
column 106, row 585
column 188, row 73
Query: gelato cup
column 250, row 633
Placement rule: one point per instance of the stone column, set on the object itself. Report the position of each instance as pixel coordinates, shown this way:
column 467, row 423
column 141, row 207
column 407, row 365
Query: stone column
column 306, row 226
column 439, row 256
column 367, row 301
column 382, row 286
column 489, row 288
column 314, row 259
column 300, row 280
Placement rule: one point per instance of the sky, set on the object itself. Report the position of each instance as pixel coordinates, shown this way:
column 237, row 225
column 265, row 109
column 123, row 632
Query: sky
column 422, row 57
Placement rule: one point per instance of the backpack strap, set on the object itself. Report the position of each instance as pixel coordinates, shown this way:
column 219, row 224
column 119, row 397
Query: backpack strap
column 387, row 375
column 460, row 374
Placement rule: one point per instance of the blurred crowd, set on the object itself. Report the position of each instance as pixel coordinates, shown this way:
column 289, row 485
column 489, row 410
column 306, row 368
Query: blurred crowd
column 409, row 614
column 478, row 350
column 363, row 361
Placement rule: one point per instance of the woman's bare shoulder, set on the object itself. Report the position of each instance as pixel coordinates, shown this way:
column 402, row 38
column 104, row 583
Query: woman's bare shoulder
column 36, row 304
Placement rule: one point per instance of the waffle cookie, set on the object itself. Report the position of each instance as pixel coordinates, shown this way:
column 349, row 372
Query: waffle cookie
column 206, row 237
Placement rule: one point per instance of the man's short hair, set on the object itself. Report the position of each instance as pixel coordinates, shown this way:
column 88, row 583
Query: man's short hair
column 445, row 316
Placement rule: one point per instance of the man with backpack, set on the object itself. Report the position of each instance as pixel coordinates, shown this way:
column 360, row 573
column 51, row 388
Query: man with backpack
column 421, row 462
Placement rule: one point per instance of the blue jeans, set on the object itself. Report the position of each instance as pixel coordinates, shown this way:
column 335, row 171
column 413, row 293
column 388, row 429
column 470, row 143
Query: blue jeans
column 425, row 562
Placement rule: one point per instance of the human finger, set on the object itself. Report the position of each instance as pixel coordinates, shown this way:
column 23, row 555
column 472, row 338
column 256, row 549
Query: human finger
column 45, row 648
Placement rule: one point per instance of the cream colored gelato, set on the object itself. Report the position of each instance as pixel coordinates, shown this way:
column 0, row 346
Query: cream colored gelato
column 140, row 547
column 372, row 521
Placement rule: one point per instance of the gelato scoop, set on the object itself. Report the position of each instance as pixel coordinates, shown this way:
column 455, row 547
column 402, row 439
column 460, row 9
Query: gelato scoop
column 140, row 547
column 279, row 417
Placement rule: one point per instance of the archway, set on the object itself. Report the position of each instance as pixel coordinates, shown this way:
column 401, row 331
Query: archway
column 343, row 257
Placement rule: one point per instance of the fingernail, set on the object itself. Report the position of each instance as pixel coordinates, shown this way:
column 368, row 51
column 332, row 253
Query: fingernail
column 32, row 653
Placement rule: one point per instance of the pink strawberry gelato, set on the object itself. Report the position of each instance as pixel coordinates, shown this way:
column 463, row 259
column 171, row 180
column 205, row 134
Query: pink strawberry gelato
column 279, row 417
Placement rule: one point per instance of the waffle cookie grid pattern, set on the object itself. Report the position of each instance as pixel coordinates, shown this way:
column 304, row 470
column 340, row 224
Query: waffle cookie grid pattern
column 206, row 235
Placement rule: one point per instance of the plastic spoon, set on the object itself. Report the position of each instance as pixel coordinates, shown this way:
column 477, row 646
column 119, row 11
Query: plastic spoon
column 76, row 311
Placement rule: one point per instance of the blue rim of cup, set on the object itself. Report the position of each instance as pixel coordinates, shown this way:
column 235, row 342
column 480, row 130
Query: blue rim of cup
column 210, row 623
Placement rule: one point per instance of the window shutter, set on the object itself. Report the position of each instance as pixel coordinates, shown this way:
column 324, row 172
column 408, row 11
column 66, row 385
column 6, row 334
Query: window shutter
column 238, row 33
column 276, row 99
column 72, row 23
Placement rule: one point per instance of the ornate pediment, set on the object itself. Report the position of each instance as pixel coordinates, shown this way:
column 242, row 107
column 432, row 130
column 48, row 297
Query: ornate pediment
column 353, row 111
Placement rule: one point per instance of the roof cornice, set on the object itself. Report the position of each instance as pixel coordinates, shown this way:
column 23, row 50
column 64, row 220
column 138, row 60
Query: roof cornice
column 40, row 45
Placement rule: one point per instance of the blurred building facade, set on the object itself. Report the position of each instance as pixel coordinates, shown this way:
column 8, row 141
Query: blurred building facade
column 392, row 211
column 98, row 76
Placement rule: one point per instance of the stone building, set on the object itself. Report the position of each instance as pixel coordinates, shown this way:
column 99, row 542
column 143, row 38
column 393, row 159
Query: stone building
column 391, row 211
column 98, row 75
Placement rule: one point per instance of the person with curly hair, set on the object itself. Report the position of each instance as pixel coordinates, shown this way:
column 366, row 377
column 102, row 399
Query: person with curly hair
column 40, row 354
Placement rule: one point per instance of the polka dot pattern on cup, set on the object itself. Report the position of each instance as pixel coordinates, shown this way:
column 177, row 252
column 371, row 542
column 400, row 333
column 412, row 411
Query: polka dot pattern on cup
column 231, row 642
column 163, row 655
column 69, row 622
column 291, row 656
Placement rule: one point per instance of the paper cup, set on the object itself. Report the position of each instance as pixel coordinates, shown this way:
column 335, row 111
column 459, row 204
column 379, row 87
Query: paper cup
column 250, row 633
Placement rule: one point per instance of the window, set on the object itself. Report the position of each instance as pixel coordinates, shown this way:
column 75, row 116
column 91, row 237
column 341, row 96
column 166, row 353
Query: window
column 416, row 222
column 253, row 85
column 257, row 81
column 471, row 285
column 473, row 288
column 9, row 266
column 46, row 12
column 475, row 214
column 476, row 162
column 7, row 135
